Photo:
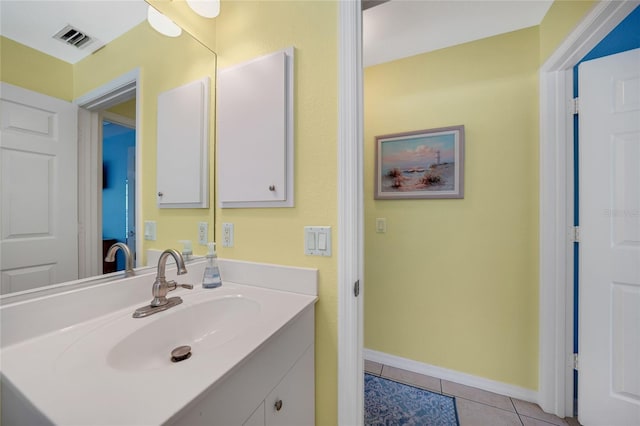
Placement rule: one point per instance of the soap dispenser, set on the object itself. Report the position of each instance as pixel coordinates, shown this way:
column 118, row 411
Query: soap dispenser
column 211, row 278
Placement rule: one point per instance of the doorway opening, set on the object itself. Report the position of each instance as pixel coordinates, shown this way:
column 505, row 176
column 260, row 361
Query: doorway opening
column 114, row 102
column 118, row 186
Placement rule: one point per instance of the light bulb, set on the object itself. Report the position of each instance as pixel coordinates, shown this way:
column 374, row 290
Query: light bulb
column 162, row 24
column 205, row 8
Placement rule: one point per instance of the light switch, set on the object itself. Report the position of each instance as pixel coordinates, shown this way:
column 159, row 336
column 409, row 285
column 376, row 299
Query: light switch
column 381, row 225
column 322, row 241
column 317, row 240
column 311, row 240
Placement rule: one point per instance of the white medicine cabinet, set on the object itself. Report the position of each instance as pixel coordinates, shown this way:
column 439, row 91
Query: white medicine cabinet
column 183, row 146
column 255, row 132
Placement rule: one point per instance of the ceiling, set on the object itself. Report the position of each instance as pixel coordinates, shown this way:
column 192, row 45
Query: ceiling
column 391, row 29
column 401, row 28
column 35, row 22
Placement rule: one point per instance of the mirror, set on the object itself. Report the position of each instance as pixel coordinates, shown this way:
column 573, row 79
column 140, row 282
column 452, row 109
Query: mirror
column 117, row 80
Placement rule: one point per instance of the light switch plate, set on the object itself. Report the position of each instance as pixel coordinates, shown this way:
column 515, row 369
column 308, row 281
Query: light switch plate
column 317, row 240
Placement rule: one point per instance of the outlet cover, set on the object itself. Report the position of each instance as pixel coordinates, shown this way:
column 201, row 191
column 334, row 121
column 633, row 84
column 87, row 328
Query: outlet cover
column 227, row 235
column 203, row 233
column 150, row 230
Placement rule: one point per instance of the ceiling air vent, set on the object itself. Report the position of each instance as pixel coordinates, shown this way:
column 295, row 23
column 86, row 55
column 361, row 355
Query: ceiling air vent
column 73, row 36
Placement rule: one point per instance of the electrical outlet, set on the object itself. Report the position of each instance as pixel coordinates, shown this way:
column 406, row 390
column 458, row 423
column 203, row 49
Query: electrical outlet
column 203, row 233
column 227, row 235
column 150, row 230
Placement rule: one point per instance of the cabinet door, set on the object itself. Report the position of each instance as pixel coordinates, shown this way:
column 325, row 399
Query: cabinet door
column 255, row 132
column 257, row 417
column 183, row 146
column 292, row 401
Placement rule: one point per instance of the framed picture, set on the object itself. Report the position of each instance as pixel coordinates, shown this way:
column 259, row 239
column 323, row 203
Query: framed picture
column 421, row 164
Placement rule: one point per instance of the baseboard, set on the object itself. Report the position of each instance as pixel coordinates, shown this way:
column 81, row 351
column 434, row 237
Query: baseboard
column 452, row 375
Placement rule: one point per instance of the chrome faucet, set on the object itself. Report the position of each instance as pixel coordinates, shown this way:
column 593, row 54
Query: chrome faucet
column 128, row 258
column 161, row 286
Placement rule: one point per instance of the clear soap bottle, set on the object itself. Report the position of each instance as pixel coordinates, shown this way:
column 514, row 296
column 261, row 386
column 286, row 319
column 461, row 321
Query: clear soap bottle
column 211, row 278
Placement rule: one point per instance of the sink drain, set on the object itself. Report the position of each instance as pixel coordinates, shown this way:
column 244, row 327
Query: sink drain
column 180, row 353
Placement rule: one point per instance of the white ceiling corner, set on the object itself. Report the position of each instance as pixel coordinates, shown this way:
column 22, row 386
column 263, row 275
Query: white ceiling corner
column 402, row 28
column 391, row 30
column 34, row 23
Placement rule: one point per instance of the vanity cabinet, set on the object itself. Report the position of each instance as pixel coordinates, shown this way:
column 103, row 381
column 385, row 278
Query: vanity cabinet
column 280, row 374
column 257, row 418
column 255, row 132
column 292, row 401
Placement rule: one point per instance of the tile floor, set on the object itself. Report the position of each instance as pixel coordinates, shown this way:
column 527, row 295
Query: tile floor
column 475, row 407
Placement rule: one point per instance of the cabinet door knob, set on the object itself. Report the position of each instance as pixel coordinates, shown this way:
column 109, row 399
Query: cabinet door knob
column 272, row 188
column 278, row 405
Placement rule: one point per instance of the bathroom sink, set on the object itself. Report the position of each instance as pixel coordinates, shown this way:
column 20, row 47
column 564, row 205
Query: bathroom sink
column 145, row 344
column 95, row 351
column 211, row 324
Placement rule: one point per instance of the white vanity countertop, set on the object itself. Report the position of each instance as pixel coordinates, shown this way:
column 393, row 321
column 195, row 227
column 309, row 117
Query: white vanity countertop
column 98, row 371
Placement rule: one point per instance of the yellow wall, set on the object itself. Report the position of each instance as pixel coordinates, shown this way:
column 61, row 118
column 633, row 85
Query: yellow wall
column 23, row 66
column 454, row 283
column 561, row 18
column 126, row 109
column 248, row 29
column 164, row 63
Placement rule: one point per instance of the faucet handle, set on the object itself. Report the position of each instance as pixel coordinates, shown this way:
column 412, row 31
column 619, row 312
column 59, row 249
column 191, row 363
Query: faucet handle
column 172, row 285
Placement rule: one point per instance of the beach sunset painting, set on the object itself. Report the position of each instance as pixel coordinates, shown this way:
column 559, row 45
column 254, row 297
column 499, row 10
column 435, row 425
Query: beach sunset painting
column 423, row 164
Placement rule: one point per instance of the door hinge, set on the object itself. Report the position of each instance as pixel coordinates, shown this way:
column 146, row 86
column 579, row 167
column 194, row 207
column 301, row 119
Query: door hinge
column 356, row 288
column 575, row 361
column 575, row 106
column 574, row 234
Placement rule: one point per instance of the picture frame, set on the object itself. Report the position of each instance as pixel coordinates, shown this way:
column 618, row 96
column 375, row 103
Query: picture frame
column 420, row 164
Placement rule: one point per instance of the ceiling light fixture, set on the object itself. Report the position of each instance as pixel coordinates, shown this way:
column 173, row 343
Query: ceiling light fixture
column 205, row 8
column 162, row 24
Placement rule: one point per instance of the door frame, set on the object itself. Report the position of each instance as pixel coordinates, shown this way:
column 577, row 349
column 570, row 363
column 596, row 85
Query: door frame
column 555, row 389
column 90, row 108
column 350, row 380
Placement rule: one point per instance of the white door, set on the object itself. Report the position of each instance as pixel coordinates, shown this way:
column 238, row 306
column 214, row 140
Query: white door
column 38, row 190
column 609, row 337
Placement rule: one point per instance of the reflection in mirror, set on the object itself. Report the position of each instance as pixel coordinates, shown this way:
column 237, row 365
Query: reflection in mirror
column 78, row 126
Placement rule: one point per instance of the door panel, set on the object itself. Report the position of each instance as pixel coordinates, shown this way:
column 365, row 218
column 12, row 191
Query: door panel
column 609, row 375
column 38, row 190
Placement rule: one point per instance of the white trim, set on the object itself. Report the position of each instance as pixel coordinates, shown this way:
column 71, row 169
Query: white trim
column 555, row 394
column 118, row 119
column 91, row 105
column 116, row 91
column 452, row 375
column 89, row 194
column 350, row 215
